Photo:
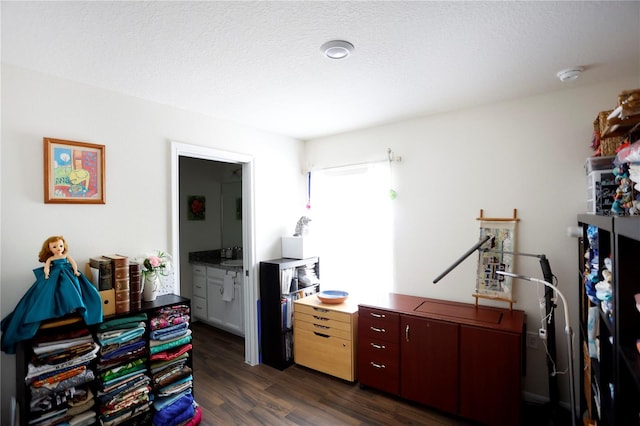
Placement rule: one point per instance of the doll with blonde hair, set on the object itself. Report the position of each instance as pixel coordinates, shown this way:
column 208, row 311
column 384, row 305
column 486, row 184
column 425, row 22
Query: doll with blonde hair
column 60, row 290
column 55, row 248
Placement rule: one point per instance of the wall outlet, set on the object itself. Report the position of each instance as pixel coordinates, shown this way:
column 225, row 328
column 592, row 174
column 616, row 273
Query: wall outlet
column 533, row 340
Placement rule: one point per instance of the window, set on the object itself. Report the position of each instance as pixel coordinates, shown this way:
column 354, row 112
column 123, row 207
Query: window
column 352, row 222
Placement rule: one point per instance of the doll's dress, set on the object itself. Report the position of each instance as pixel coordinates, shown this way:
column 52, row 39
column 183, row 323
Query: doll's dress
column 61, row 294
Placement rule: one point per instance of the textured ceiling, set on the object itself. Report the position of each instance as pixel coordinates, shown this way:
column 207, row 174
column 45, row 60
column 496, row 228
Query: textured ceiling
column 259, row 63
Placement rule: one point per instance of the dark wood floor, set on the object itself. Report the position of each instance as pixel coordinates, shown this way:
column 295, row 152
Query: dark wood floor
column 231, row 392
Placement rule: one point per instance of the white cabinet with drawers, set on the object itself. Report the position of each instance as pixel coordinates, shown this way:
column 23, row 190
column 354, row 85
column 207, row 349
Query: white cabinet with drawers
column 209, row 302
column 199, row 292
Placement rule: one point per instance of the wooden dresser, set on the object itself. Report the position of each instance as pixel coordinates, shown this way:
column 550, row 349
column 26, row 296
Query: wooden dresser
column 457, row 357
column 324, row 336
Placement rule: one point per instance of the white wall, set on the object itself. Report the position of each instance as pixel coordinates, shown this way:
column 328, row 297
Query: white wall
column 136, row 217
column 527, row 154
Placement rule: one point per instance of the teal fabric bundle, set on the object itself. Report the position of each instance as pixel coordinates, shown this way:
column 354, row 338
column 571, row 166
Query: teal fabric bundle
column 63, row 293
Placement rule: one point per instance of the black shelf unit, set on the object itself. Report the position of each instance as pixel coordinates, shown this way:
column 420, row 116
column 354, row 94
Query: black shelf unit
column 276, row 340
column 612, row 379
column 23, row 349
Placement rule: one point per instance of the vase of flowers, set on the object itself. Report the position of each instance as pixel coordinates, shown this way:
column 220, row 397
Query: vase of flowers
column 154, row 265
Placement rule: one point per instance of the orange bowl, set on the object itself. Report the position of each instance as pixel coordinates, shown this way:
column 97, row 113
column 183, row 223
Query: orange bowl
column 333, row 297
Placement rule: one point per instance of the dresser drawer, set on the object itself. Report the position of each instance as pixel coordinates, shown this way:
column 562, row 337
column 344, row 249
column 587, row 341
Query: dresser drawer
column 324, row 314
column 215, row 273
column 328, row 354
column 378, row 325
column 327, row 327
column 199, row 287
column 200, row 270
column 199, row 306
column 379, row 365
column 383, row 352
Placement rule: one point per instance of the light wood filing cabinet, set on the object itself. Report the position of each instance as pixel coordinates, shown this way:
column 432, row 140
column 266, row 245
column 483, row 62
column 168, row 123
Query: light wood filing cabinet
column 325, row 337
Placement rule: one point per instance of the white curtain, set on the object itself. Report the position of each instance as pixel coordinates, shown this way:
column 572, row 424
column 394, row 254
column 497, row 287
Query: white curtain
column 352, row 224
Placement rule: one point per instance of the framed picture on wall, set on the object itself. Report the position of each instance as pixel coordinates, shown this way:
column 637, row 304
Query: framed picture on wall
column 196, row 207
column 73, row 172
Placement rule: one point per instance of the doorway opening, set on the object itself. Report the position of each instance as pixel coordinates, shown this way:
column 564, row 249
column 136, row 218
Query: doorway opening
column 203, row 174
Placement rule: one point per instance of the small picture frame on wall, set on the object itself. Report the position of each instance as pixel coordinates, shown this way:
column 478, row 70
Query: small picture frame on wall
column 196, row 207
column 74, row 172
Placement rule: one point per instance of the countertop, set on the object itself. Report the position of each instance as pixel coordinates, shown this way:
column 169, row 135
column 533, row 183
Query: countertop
column 463, row 313
column 212, row 258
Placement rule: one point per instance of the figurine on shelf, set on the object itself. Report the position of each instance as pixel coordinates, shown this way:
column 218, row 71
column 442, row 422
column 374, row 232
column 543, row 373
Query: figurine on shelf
column 302, row 227
column 60, row 290
column 55, row 248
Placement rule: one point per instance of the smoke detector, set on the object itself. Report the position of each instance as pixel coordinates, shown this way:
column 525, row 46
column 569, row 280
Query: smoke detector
column 570, row 74
column 337, row 49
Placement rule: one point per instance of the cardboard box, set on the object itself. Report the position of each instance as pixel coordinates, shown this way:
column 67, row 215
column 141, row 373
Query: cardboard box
column 108, row 302
column 91, row 274
column 298, row 247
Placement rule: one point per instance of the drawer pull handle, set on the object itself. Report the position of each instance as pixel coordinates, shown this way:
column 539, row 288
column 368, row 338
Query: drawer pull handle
column 373, row 364
column 373, row 314
column 326, row 336
column 406, row 333
column 320, row 318
column 325, row 327
column 378, row 330
column 324, row 311
column 376, row 346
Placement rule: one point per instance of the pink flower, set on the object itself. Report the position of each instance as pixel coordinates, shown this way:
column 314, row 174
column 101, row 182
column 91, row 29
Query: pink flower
column 155, row 261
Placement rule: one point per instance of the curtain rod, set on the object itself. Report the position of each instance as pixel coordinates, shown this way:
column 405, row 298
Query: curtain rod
column 391, row 157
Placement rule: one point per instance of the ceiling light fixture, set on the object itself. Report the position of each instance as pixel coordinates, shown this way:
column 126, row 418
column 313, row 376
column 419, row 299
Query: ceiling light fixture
column 337, row 49
column 570, row 74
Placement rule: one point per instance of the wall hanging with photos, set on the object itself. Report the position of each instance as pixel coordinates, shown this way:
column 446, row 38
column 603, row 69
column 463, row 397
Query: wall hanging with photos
column 497, row 257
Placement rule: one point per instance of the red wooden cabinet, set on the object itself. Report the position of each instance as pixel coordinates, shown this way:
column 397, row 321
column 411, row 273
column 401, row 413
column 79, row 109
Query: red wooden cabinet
column 378, row 349
column 490, row 366
column 457, row 357
column 429, row 360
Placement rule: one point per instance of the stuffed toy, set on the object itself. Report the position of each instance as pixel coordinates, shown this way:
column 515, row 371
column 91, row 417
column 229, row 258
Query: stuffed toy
column 623, row 198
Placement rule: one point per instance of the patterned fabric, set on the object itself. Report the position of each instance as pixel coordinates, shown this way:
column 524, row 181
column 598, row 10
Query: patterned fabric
column 36, row 370
column 177, row 386
column 123, row 370
column 157, row 366
column 172, row 375
column 79, row 379
column 170, row 316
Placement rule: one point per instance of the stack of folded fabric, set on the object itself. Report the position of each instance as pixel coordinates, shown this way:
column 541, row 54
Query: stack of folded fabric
column 172, row 379
column 59, row 375
column 124, row 391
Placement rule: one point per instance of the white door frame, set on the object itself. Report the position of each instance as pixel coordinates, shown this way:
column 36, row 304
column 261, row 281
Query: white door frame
column 178, row 149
